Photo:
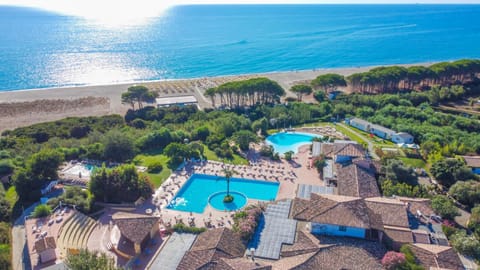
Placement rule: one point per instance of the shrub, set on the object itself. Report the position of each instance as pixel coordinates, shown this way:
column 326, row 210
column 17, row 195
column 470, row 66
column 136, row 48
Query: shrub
column 182, row 228
column 228, row 199
column 444, row 207
column 465, row 244
column 42, row 210
column 288, row 155
column 393, row 260
column 155, row 167
column 245, row 222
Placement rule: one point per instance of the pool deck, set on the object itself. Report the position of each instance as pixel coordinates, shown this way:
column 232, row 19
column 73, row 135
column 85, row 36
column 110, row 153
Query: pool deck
column 289, row 174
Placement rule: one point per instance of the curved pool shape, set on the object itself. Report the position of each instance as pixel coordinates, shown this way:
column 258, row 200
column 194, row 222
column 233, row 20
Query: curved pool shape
column 194, row 194
column 216, row 201
column 289, row 141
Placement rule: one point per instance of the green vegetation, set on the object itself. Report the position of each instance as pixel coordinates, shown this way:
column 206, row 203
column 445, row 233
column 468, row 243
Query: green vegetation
column 300, row 90
column 246, row 93
column 156, row 178
column 81, row 198
column 413, row 162
column 444, row 207
column 138, row 94
column 182, row 228
column 42, row 210
column 329, row 82
column 5, row 246
column 86, row 260
column 119, row 184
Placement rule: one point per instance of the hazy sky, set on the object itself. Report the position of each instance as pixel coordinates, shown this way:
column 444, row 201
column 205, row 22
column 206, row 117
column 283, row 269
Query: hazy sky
column 122, row 10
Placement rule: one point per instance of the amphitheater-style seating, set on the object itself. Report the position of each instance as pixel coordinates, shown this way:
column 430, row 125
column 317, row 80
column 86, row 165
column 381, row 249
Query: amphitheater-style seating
column 75, row 232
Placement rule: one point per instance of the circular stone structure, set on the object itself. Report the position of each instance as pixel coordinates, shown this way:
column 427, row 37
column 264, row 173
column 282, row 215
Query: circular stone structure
column 216, row 201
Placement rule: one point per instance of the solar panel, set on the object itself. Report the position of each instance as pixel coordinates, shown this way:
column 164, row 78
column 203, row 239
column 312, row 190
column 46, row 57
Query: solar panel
column 274, row 230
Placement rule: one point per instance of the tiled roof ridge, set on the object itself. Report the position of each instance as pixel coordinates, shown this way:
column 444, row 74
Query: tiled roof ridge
column 356, row 179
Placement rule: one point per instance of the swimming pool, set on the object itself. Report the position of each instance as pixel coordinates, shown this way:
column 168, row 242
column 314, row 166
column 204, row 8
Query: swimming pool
column 195, row 193
column 289, row 141
column 80, row 170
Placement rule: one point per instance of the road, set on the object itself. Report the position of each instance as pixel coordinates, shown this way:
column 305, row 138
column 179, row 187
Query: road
column 20, row 259
column 370, row 148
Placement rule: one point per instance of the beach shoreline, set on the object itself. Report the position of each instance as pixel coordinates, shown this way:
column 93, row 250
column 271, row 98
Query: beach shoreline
column 30, row 106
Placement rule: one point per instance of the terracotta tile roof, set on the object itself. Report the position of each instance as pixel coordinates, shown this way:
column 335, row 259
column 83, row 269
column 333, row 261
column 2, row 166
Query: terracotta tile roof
column 436, row 256
column 354, row 180
column 134, row 227
column 342, row 256
column 236, row 264
column 392, row 211
column 472, row 161
column 398, row 235
column 349, row 149
column 45, row 243
column 210, row 246
column 303, row 244
column 334, row 209
column 418, row 204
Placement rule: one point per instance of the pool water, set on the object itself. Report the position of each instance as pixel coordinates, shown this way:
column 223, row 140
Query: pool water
column 195, row 193
column 239, row 201
column 289, row 141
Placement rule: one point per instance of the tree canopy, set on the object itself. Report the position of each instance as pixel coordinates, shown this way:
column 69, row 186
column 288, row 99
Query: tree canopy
column 138, row 94
column 300, row 90
column 86, row 260
column 329, row 82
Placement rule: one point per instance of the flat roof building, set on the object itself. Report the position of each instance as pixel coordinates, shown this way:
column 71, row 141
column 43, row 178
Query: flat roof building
column 176, row 101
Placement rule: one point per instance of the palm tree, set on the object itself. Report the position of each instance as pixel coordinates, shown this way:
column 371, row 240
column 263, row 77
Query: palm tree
column 228, row 175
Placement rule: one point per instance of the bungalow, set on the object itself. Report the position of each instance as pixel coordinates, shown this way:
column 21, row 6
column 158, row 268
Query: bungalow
column 45, row 248
column 133, row 232
column 402, row 138
column 380, row 131
column 473, row 162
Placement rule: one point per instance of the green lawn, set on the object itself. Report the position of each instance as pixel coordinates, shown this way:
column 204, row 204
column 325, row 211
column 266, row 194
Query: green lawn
column 155, row 178
column 11, row 196
column 350, row 134
column 414, row 162
column 237, row 160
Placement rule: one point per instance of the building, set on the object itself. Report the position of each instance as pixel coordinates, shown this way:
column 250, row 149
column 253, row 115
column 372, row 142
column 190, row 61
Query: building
column 180, row 101
column 220, row 249
column 339, row 151
column 337, row 216
column 356, row 179
column 473, row 162
column 402, row 138
column 380, row 131
column 132, row 232
column 436, row 257
column 45, row 248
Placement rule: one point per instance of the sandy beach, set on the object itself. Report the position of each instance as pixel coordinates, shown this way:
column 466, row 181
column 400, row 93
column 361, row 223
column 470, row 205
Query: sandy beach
column 26, row 107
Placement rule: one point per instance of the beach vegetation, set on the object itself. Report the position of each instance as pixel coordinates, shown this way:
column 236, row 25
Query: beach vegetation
column 138, row 94
column 329, row 82
column 300, row 90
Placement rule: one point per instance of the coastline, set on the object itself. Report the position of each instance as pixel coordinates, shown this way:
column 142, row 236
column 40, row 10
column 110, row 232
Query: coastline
column 26, row 107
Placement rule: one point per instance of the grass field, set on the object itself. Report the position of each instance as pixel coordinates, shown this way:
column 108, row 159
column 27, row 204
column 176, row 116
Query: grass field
column 156, row 178
column 11, row 196
column 414, row 162
column 237, row 160
column 348, row 132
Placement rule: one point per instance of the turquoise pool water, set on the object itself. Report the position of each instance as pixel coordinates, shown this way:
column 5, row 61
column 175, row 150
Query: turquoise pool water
column 194, row 195
column 289, row 141
column 239, row 201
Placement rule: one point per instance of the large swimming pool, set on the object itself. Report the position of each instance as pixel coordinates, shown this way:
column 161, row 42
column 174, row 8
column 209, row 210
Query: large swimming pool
column 196, row 192
column 289, row 141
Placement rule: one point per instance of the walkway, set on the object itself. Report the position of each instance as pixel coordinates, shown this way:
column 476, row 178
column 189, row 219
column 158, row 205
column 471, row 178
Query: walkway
column 20, row 258
column 371, row 150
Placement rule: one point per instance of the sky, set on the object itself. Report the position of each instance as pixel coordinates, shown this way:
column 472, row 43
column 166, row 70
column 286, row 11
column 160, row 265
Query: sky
column 128, row 10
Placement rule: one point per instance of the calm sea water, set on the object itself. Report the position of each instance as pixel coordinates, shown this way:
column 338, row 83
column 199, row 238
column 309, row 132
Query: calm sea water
column 40, row 49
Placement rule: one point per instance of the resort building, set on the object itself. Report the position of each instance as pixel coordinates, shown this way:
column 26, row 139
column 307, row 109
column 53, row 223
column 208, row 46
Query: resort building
column 436, row 257
column 220, row 249
column 380, row 131
column 180, row 101
column 132, row 232
column 356, row 179
column 473, row 162
column 339, row 151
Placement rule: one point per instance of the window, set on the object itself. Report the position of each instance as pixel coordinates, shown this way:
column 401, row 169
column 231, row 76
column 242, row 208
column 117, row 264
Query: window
column 342, row 228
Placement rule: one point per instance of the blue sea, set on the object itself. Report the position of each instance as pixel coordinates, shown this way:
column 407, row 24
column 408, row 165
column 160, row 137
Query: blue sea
column 39, row 49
